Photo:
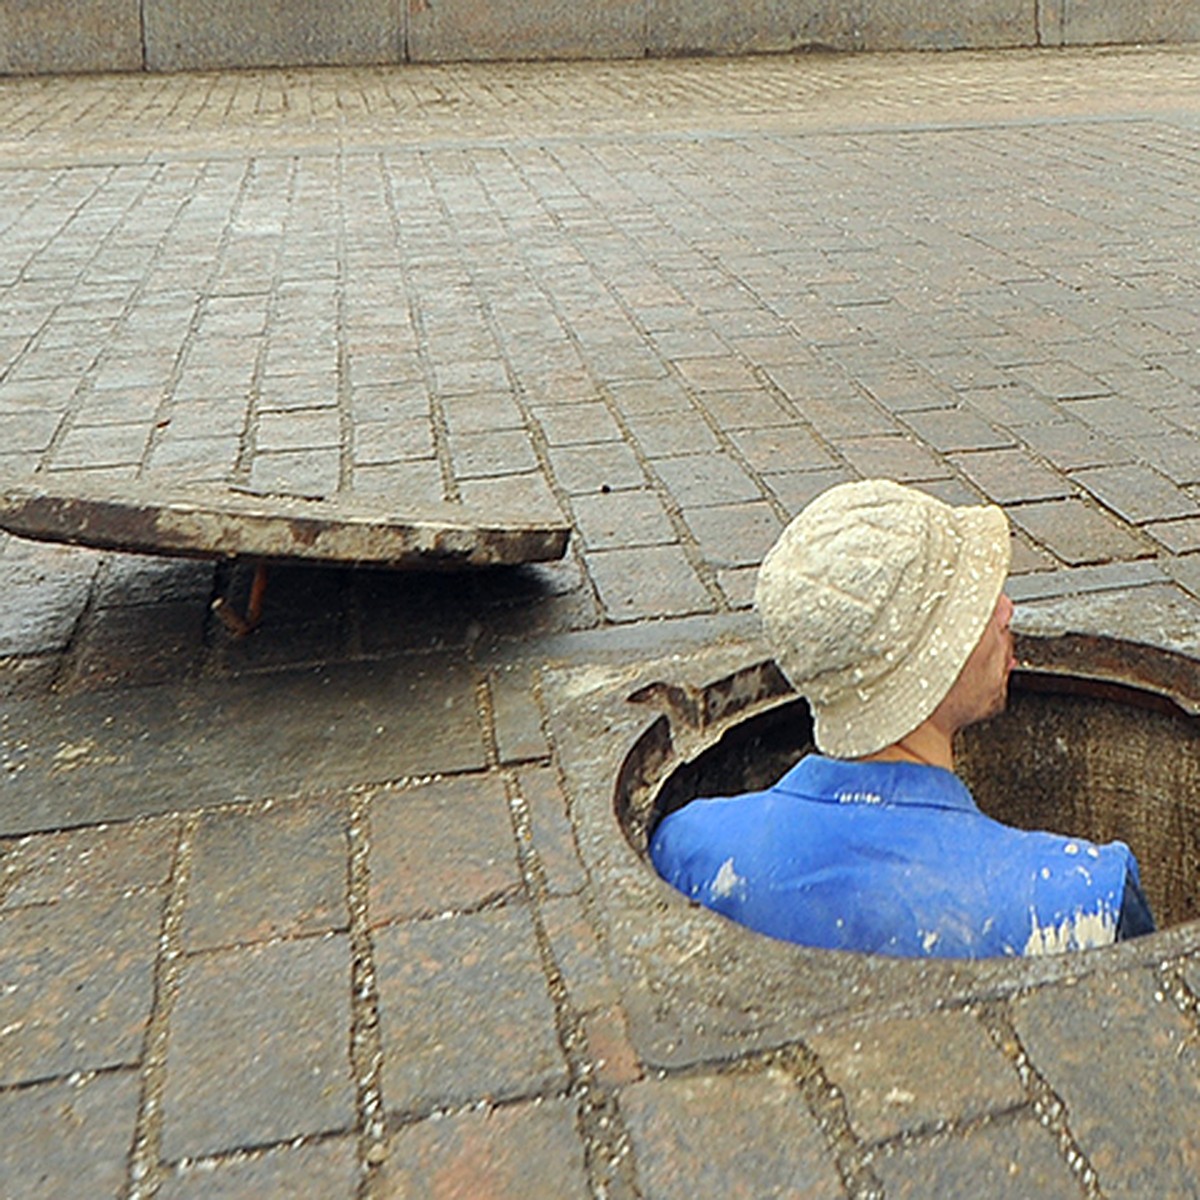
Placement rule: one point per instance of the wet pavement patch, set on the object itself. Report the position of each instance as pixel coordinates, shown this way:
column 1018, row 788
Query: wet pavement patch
column 93, row 757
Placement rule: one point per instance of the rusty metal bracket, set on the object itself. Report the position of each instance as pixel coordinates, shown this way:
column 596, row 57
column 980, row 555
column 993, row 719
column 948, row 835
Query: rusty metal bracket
column 234, row 621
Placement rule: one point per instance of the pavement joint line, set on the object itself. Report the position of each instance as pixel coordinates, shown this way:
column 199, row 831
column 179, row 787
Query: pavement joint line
column 1050, row 1109
column 145, row 1160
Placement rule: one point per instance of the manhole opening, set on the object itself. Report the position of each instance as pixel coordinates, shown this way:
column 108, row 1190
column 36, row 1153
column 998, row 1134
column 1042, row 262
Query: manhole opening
column 1097, row 761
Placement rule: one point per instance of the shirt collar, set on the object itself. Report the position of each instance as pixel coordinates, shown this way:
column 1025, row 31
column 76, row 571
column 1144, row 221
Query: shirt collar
column 840, row 781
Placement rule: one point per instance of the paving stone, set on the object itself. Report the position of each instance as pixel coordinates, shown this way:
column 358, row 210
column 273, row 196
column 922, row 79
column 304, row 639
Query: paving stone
column 79, row 984
column 1075, row 581
column 698, row 479
column 69, row 1138
column 899, row 458
column 43, row 600
column 140, row 579
column 796, row 489
column 647, row 581
column 1011, row 407
column 1135, row 1108
column 1075, row 533
column 1011, row 476
column 516, row 715
column 442, row 847
column 1002, row 1161
column 892, row 1073
column 745, row 410
column 735, row 535
column 103, row 446
column 328, row 1169
column 387, row 442
column 618, row 520
column 1059, row 380
column 518, row 1152
column 589, row 470
column 575, row 424
column 553, row 834
column 81, row 863
column 499, row 452
column 259, row 1048
column 465, row 1013
column 1137, row 494
column 731, row 1135
column 669, row 434
column 949, row 429
column 136, row 645
column 1069, row 445
column 1179, row 537
column 781, row 449
column 260, row 875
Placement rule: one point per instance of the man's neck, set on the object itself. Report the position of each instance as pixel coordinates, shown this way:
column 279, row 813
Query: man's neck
column 927, row 745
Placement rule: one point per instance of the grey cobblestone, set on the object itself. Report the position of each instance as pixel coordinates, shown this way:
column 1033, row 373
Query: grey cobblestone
column 359, row 952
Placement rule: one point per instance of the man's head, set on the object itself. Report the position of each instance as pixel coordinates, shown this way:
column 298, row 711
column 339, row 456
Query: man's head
column 874, row 599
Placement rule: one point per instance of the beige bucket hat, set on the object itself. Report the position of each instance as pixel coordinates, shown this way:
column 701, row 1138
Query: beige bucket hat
column 872, row 600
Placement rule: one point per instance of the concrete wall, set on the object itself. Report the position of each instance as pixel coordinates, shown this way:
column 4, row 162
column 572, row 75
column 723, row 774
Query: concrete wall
column 57, row 36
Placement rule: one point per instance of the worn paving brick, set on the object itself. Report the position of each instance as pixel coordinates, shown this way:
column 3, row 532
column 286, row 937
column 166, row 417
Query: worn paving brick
column 259, row 1048
column 1011, row 407
column 498, row 452
column 552, row 831
column 669, row 434
column 745, row 410
column 328, row 1169
column 1070, row 445
column 465, row 1012
column 900, row 458
column 733, row 1135
column 445, row 846
column 892, row 1073
column 734, row 535
column 136, row 579
column 78, row 863
column 1179, row 537
column 698, row 479
column 647, row 581
column 518, row 1152
column 775, row 449
column 1011, row 476
column 1058, row 380
column 1137, row 494
column 575, row 424
column 585, row 470
column 617, row 520
column 1076, row 533
column 1012, row 1160
column 1135, row 1108
column 387, row 441
column 312, row 472
column 516, row 715
column 258, row 875
column 950, row 429
column 69, row 1138
column 43, row 600
column 135, row 645
column 78, row 984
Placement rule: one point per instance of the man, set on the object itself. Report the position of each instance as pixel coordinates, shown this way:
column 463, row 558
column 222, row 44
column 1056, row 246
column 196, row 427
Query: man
column 884, row 608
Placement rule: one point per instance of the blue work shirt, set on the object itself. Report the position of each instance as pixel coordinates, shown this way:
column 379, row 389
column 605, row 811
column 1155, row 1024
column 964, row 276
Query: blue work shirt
column 896, row 858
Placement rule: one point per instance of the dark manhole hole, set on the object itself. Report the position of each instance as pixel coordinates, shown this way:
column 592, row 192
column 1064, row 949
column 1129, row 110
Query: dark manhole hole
column 1107, row 748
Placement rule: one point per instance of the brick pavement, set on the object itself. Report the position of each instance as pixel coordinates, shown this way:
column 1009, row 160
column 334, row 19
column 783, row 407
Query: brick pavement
column 314, row 913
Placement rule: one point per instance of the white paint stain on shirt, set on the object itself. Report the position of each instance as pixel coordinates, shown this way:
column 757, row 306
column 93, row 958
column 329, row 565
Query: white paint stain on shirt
column 727, row 880
column 1083, row 931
